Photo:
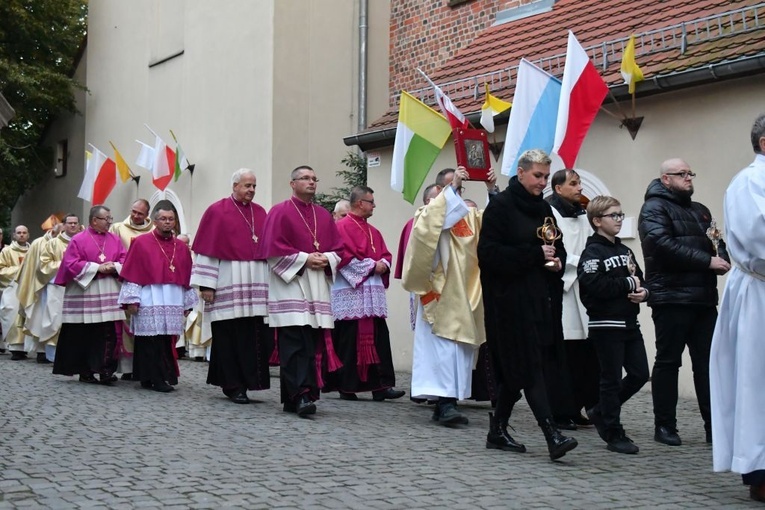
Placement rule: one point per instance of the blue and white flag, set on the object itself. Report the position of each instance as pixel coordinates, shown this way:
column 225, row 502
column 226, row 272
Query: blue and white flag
column 533, row 115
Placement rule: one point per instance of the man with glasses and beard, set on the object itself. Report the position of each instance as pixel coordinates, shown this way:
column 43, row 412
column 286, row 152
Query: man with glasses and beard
column 682, row 266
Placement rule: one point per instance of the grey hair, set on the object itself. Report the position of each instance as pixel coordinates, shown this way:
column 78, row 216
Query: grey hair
column 758, row 131
column 342, row 203
column 237, row 176
column 533, row 157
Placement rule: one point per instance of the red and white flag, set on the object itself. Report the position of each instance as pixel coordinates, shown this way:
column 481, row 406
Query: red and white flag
column 159, row 160
column 100, row 177
column 582, row 94
column 451, row 112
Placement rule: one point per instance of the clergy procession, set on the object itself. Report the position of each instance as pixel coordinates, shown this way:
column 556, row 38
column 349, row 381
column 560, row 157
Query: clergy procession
column 525, row 297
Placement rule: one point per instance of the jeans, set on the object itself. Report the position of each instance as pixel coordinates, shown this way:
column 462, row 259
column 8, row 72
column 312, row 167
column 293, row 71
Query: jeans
column 618, row 348
column 678, row 326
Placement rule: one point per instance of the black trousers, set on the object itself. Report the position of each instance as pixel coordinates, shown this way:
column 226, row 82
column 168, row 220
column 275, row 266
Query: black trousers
column 618, row 348
column 153, row 359
column 380, row 376
column 297, row 359
column 678, row 326
column 584, row 368
column 86, row 349
column 239, row 354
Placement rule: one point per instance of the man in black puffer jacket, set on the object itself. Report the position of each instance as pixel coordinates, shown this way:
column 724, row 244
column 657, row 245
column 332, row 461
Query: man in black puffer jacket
column 682, row 266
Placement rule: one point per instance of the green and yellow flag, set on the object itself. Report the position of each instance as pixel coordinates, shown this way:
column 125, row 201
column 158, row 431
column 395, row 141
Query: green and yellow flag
column 420, row 135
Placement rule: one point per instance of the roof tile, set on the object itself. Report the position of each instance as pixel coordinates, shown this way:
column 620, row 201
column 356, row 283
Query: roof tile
column 596, row 22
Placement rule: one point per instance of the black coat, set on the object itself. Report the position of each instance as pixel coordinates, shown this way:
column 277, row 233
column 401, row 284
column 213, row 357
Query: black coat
column 604, row 283
column 676, row 249
column 522, row 300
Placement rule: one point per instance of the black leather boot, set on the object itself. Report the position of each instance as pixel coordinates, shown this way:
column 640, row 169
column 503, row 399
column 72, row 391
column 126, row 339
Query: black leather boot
column 499, row 439
column 557, row 443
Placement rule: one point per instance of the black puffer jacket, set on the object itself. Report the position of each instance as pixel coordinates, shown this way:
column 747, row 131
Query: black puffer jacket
column 676, row 250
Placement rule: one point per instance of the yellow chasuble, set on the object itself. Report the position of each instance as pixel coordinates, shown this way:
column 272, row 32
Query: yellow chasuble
column 127, row 231
column 11, row 259
column 10, row 263
column 29, row 283
column 49, row 261
column 441, row 267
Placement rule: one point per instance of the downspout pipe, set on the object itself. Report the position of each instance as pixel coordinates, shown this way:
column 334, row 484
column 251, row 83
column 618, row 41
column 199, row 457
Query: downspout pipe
column 362, row 86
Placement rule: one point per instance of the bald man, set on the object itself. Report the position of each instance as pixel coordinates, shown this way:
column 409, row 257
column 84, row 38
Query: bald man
column 11, row 258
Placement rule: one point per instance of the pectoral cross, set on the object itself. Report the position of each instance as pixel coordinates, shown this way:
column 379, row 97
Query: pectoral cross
column 102, row 257
column 316, row 245
column 254, row 238
column 172, row 268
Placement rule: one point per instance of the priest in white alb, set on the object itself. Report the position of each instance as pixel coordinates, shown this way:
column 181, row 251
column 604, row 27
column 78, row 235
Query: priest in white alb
column 737, row 359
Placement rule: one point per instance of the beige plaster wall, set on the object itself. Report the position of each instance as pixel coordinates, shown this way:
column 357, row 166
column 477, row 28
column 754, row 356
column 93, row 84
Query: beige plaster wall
column 315, row 90
column 708, row 126
column 216, row 96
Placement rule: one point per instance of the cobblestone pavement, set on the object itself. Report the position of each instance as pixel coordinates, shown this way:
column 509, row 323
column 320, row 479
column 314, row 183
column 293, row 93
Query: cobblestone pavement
column 66, row 444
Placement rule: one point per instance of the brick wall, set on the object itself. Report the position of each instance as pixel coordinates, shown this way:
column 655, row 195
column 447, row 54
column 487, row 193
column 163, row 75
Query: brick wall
column 427, row 33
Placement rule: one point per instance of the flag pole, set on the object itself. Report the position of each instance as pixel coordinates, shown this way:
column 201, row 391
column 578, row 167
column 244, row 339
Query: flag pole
column 618, row 106
column 434, row 86
column 150, row 130
column 633, row 104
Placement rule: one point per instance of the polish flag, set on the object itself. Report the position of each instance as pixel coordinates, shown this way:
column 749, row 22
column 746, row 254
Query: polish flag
column 452, row 113
column 105, row 178
column 582, row 94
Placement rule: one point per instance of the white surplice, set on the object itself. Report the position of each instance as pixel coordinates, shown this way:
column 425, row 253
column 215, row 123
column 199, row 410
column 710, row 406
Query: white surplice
column 737, row 360
column 575, row 233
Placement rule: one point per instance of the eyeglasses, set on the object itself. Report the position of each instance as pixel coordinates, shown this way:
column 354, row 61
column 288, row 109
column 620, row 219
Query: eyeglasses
column 367, row 201
column 616, row 216
column 108, row 218
column 683, row 175
column 306, row 178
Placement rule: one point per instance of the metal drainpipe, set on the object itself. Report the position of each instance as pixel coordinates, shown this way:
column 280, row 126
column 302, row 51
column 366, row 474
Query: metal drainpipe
column 363, row 28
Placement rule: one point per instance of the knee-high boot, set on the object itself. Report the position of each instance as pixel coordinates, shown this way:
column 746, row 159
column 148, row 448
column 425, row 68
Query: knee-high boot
column 557, row 443
column 498, row 437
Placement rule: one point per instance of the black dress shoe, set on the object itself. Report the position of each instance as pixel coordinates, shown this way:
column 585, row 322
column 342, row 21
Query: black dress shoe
column 388, row 394
column 163, row 387
column 581, row 421
column 146, row 385
column 667, row 435
column 597, row 419
column 41, row 359
column 565, row 424
column 18, row 355
column 88, row 378
column 305, row 406
column 107, row 379
column 348, row 396
column 240, row 398
column 126, row 377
